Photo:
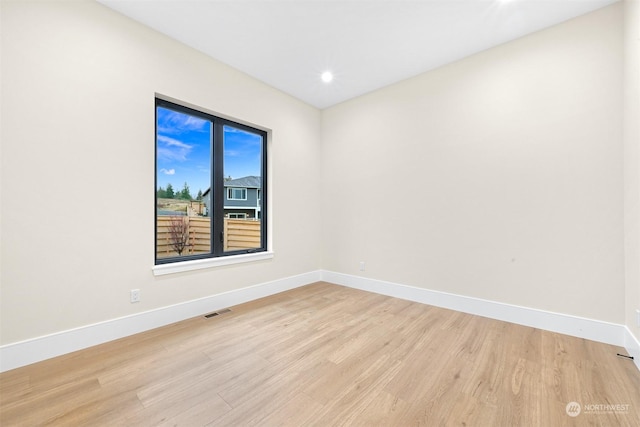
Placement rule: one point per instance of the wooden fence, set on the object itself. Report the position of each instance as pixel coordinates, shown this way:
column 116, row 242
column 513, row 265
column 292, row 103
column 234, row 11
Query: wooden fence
column 238, row 234
column 241, row 234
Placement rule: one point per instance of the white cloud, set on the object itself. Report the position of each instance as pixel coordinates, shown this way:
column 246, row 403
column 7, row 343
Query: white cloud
column 172, row 149
column 168, row 172
column 194, row 123
column 174, row 122
column 232, row 153
column 172, row 142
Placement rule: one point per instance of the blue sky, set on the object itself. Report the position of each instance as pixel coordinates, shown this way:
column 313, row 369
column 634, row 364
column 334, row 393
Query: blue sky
column 184, row 151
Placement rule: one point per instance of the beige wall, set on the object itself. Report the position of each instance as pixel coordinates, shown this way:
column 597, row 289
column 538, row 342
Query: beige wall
column 78, row 87
column 497, row 177
column 632, row 160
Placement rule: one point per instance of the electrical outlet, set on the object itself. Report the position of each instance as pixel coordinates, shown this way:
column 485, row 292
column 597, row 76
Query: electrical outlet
column 135, row 295
column 361, row 265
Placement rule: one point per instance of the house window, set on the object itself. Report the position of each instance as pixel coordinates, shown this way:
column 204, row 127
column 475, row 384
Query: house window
column 237, row 193
column 238, row 216
column 196, row 153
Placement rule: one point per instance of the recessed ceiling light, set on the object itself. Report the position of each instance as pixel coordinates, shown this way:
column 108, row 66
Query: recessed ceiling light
column 327, row 76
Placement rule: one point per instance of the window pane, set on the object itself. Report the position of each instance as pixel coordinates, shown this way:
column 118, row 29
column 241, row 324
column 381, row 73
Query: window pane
column 183, row 180
column 243, row 151
column 237, row 193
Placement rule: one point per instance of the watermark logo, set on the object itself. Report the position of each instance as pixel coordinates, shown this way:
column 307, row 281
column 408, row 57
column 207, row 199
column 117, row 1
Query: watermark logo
column 573, row 409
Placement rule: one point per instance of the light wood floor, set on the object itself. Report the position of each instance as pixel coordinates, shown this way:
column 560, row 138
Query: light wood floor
column 325, row 355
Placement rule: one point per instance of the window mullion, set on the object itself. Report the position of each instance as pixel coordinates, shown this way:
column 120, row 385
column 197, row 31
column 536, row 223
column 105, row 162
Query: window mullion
column 217, row 219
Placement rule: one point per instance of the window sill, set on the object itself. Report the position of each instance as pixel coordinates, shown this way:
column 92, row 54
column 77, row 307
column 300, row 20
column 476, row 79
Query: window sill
column 198, row 264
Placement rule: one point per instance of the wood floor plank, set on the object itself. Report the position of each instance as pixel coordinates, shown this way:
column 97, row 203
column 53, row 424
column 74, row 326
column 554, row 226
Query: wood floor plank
column 326, row 355
column 47, row 406
column 301, row 410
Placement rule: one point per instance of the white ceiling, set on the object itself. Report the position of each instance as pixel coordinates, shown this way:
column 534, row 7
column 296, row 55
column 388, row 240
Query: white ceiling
column 366, row 44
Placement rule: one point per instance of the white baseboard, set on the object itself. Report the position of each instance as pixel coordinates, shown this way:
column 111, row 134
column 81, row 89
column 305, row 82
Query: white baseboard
column 37, row 349
column 34, row 350
column 632, row 345
column 596, row 330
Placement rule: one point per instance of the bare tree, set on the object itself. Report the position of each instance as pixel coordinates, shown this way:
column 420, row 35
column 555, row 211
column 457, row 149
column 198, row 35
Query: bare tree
column 179, row 233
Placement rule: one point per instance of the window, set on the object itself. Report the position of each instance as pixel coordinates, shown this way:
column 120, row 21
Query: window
column 196, row 153
column 237, row 193
column 238, row 215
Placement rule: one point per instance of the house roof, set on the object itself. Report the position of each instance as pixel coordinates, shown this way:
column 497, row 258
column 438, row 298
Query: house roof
column 244, row 182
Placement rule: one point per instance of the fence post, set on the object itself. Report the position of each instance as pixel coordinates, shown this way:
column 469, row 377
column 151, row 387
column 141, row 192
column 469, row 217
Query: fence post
column 226, row 235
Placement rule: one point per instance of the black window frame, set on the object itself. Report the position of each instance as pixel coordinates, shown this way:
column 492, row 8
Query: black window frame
column 217, row 179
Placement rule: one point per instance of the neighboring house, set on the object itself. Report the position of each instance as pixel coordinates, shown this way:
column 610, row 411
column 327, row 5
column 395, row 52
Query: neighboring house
column 242, row 198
